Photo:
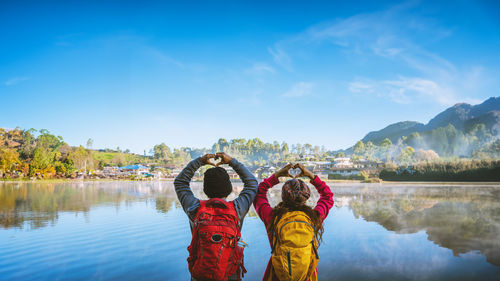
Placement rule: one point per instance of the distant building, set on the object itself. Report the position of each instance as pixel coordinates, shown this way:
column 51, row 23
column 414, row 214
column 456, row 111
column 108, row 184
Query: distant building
column 345, row 171
column 232, row 174
column 175, row 172
column 342, row 162
column 367, row 164
column 135, row 169
column 110, row 171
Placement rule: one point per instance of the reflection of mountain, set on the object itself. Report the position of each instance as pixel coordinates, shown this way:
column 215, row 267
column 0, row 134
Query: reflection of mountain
column 38, row 204
column 464, row 220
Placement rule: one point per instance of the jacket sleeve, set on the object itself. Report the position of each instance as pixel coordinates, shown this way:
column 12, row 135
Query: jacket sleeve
column 188, row 201
column 244, row 200
column 261, row 203
column 325, row 202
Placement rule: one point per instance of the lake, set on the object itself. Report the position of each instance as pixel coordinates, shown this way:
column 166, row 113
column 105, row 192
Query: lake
column 137, row 231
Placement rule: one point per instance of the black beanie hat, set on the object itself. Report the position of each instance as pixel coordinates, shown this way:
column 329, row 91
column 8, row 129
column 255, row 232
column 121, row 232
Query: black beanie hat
column 216, row 183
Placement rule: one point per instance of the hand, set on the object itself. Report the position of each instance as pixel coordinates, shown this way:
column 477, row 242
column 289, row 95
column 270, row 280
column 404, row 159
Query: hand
column 304, row 171
column 205, row 159
column 283, row 172
column 225, row 158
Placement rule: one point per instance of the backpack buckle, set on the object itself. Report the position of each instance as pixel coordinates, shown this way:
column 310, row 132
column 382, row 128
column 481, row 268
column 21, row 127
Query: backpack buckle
column 232, row 241
column 216, row 238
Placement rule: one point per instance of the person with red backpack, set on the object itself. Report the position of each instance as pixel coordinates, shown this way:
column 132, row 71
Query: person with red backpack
column 216, row 252
column 294, row 229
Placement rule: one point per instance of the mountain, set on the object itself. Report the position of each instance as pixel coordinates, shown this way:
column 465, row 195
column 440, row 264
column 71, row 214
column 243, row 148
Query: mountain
column 455, row 115
column 462, row 116
column 460, row 113
column 490, row 119
column 394, row 131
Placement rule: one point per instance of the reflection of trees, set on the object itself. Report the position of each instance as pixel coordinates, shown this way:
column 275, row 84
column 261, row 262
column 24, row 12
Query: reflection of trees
column 462, row 220
column 164, row 204
column 39, row 204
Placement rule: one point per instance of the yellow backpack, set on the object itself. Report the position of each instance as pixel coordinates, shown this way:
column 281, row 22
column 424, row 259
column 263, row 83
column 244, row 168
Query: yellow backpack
column 294, row 254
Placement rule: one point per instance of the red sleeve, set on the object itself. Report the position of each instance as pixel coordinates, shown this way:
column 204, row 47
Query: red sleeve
column 325, row 202
column 261, row 203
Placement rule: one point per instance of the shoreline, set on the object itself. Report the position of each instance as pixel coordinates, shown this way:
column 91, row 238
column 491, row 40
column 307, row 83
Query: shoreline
column 382, row 182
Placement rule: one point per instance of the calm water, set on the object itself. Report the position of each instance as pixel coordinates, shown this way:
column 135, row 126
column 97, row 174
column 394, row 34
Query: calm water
column 137, row 231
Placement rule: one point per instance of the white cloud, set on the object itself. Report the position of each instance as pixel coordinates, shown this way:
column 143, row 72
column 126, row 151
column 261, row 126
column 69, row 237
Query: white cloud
column 280, row 57
column 405, row 90
column 260, row 69
column 15, row 80
column 299, row 89
column 398, row 37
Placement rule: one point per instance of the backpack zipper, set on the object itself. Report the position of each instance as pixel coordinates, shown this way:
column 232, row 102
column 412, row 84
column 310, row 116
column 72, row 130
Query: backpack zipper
column 315, row 250
column 297, row 221
column 277, row 237
column 289, row 264
column 220, row 252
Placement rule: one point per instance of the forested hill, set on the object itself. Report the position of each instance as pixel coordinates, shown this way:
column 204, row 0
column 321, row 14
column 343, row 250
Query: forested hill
column 462, row 116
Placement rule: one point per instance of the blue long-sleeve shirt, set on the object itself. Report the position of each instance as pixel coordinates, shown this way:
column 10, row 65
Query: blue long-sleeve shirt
column 190, row 203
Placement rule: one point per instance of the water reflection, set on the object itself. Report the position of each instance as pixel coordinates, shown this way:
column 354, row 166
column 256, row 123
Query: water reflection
column 457, row 217
column 460, row 218
column 35, row 205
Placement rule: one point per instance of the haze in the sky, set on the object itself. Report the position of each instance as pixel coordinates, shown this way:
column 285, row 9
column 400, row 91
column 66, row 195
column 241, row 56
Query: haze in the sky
column 132, row 74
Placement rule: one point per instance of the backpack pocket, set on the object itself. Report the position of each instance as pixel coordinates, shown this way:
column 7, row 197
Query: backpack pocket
column 293, row 263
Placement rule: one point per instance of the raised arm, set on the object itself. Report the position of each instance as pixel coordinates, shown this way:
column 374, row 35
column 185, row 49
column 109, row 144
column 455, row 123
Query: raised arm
column 261, row 203
column 188, row 201
column 243, row 202
column 325, row 202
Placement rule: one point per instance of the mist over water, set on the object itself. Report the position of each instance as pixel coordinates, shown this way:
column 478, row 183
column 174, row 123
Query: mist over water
column 138, row 231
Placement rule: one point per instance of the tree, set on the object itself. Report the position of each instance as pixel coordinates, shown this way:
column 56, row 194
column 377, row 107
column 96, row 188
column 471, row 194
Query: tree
column 42, row 159
column 9, row 160
column 426, row 155
column 370, row 150
column 340, row 155
column 308, row 148
column 82, row 159
column 406, row 155
column 90, row 142
column 384, row 148
column 48, row 141
column 162, row 152
column 386, row 143
column 223, row 144
column 359, row 148
column 415, row 140
column 284, row 147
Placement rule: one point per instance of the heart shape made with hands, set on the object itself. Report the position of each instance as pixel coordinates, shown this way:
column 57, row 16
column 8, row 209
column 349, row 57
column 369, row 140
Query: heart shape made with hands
column 215, row 161
column 294, row 172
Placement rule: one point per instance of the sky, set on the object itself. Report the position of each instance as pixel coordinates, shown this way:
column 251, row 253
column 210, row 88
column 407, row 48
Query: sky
column 132, row 74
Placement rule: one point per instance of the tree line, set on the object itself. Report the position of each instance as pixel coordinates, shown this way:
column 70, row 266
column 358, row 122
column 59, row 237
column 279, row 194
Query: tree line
column 40, row 154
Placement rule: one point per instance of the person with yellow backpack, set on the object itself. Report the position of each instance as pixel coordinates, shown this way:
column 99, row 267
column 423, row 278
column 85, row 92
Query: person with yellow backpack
column 294, row 228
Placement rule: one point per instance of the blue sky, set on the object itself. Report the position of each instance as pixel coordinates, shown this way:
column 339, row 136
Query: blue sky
column 137, row 73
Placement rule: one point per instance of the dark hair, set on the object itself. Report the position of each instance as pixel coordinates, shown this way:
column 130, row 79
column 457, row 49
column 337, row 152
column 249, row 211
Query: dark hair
column 295, row 192
column 216, row 183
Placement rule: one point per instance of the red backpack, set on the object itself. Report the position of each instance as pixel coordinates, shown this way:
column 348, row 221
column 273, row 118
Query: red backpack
column 214, row 253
